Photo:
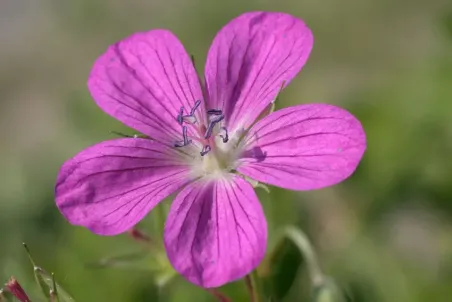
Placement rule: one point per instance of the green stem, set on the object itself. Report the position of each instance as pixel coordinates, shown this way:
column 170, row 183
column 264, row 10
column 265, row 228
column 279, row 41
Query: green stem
column 251, row 281
column 302, row 242
column 54, row 297
column 160, row 219
column 220, row 296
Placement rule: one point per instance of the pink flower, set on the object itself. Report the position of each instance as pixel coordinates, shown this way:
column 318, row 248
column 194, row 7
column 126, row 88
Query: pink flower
column 216, row 231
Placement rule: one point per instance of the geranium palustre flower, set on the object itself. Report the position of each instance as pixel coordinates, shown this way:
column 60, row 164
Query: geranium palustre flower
column 203, row 140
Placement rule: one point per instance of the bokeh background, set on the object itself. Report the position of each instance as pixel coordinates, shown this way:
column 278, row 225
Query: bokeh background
column 385, row 234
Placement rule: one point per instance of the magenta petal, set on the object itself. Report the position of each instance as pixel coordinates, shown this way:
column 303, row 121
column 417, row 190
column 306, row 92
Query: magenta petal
column 249, row 60
column 304, row 147
column 144, row 80
column 216, row 231
column 111, row 186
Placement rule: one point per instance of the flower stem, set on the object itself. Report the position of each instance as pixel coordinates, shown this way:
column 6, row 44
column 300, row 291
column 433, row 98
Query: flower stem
column 160, row 219
column 252, row 286
column 217, row 294
column 302, row 242
column 54, row 297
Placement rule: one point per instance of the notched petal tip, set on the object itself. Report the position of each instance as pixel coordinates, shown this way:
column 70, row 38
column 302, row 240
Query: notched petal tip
column 216, row 231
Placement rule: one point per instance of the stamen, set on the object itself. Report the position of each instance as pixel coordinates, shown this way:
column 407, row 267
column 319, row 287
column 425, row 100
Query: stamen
column 205, row 150
column 209, row 131
column 180, row 117
column 197, row 103
column 214, row 112
column 213, row 121
column 179, row 144
column 216, row 119
column 184, row 133
column 190, row 118
column 186, row 140
column 224, row 134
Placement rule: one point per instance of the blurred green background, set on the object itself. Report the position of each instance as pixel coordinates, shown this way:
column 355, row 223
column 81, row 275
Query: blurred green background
column 385, row 234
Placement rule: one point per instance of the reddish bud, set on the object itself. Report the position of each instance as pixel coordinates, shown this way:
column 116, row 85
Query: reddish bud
column 138, row 235
column 14, row 288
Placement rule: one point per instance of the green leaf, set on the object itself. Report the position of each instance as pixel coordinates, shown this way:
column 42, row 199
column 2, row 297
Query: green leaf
column 54, row 297
column 156, row 262
column 49, row 288
column 304, row 246
column 132, row 260
column 49, row 280
column 282, row 269
column 328, row 292
column 162, row 269
column 45, row 290
column 447, row 21
column 292, row 256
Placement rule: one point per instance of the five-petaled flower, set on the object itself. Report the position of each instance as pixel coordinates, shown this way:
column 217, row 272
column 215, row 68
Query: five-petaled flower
column 203, row 139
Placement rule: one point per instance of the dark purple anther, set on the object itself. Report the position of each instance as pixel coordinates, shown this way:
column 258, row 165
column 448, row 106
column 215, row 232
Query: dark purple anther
column 224, row 134
column 213, row 121
column 209, row 131
column 214, row 112
column 186, row 140
column 197, row 103
column 205, row 150
column 180, row 117
column 190, row 118
column 216, row 119
column 184, row 133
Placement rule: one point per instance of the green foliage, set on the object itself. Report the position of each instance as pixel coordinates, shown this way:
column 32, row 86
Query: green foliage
column 50, row 289
column 294, row 256
column 282, row 269
column 54, row 289
column 327, row 292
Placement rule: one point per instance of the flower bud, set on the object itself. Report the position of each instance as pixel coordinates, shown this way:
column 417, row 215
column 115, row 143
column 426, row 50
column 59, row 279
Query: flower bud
column 139, row 235
column 14, row 288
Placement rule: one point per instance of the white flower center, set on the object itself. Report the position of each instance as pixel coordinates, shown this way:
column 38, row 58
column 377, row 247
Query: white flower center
column 221, row 159
column 212, row 150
